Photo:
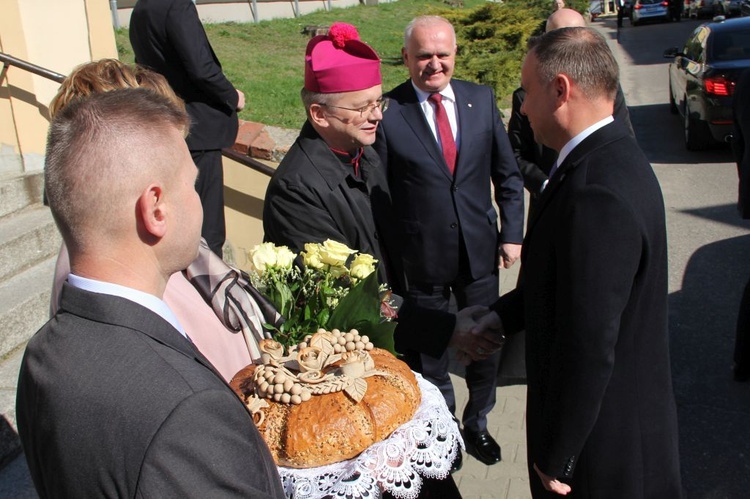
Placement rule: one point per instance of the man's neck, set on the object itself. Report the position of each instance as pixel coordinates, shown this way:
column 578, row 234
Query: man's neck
column 136, row 275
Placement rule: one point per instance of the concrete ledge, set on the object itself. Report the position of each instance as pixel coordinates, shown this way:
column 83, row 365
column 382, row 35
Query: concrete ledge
column 264, row 142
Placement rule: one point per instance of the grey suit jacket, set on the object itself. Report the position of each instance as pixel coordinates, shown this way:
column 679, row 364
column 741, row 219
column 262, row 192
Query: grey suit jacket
column 114, row 402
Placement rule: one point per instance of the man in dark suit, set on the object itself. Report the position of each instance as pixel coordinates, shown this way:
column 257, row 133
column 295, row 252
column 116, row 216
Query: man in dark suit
column 168, row 37
column 741, row 110
column 441, row 172
column 601, row 416
column 536, row 160
column 113, row 399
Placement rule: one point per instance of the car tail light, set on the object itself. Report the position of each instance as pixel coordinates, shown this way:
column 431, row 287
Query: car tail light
column 719, row 85
column 665, row 4
column 638, row 6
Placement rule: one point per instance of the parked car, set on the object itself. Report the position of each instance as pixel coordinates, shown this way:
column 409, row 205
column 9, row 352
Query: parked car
column 729, row 8
column 649, row 10
column 702, row 78
column 701, row 9
column 745, row 8
column 595, row 9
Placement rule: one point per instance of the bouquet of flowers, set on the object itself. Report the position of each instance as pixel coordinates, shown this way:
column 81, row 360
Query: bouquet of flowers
column 334, row 288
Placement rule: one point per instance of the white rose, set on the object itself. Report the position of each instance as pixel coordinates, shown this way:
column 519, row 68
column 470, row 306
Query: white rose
column 334, row 253
column 284, row 257
column 263, row 256
column 311, row 256
column 362, row 266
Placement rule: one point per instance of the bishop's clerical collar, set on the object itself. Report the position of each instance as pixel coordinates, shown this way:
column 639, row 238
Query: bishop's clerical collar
column 349, row 159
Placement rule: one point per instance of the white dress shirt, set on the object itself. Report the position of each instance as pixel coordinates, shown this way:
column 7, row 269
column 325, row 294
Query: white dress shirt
column 572, row 143
column 449, row 103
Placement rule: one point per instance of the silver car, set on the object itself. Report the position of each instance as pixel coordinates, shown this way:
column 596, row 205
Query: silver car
column 649, row 10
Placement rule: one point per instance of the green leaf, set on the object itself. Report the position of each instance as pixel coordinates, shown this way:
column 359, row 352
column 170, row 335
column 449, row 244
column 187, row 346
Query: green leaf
column 361, row 304
column 381, row 334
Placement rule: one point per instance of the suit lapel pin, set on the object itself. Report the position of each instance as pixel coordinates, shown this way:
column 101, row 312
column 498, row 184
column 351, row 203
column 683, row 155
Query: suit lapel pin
column 469, row 104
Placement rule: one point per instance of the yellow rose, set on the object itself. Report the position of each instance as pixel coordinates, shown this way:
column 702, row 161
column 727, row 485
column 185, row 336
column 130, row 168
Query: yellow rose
column 311, row 256
column 284, row 257
column 263, row 256
column 334, row 253
column 362, row 266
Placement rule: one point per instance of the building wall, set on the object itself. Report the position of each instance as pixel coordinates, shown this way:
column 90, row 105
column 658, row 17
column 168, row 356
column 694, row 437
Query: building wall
column 56, row 35
column 241, row 11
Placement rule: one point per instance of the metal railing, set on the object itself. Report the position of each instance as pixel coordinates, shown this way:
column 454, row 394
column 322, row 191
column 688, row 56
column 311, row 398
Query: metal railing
column 9, row 60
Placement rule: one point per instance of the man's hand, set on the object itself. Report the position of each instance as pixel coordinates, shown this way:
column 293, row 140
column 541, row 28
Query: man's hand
column 240, row 100
column 471, row 337
column 490, row 321
column 509, row 253
column 553, row 484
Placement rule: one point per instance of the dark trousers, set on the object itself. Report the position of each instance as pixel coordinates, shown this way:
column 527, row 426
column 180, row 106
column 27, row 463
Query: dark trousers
column 480, row 375
column 742, row 340
column 210, row 187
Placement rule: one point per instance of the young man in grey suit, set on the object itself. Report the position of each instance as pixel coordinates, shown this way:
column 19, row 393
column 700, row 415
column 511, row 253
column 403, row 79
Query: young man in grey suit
column 443, row 159
column 113, row 399
column 601, row 416
column 168, row 37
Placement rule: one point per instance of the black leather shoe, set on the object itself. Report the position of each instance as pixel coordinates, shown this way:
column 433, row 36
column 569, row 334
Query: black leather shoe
column 458, row 462
column 482, row 446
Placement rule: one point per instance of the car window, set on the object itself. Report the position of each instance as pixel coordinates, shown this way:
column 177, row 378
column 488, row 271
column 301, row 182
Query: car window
column 730, row 46
column 650, row 2
column 694, row 46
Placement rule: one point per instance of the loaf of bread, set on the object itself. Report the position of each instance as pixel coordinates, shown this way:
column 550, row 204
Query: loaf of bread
column 332, row 427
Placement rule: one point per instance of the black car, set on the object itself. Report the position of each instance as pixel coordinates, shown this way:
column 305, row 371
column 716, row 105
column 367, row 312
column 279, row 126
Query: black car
column 702, row 78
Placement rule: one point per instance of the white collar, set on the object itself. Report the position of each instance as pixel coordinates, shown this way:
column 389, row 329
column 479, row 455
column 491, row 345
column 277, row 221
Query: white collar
column 422, row 96
column 572, row 143
column 146, row 300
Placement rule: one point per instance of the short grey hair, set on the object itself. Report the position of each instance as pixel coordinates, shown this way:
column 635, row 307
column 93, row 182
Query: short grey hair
column 309, row 98
column 426, row 21
column 583, row 55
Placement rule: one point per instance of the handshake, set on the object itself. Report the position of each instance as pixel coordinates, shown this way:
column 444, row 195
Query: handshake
column 477, row 335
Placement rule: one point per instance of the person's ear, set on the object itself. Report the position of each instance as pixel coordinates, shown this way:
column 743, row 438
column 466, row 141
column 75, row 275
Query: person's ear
column 405, row 56
column 153, row 211
column 318, row 115
column 562, row 86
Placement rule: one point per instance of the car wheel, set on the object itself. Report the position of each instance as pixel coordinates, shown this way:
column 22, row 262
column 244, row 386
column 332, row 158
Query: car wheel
column 697, row 134
column 672, row 104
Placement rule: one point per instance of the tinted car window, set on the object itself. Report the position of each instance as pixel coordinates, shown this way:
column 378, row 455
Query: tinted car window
column 650, row 2
column 730, row 46
column 694, row 46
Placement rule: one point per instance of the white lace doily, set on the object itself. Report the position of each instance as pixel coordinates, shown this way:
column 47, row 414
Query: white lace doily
column 424, row 447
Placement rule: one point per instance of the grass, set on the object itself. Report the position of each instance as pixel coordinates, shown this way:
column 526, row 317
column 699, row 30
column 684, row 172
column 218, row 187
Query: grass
column 265, row 60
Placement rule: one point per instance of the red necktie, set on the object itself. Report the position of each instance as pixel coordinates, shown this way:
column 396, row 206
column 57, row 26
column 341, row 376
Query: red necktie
column 444, row 130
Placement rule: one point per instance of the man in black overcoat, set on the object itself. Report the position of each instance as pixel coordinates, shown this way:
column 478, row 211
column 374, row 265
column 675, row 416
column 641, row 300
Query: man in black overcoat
column 113, row 399
column 168, row 37
column 741, row 108
column 601, row 416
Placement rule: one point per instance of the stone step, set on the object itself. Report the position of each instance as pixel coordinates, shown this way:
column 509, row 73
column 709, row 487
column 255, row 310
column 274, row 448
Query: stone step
column 19, row 192
column 24, row 304
column 26, row 238
column 10, row 445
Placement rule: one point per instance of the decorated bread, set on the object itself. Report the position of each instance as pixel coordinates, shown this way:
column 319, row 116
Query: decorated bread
column 326, row 399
